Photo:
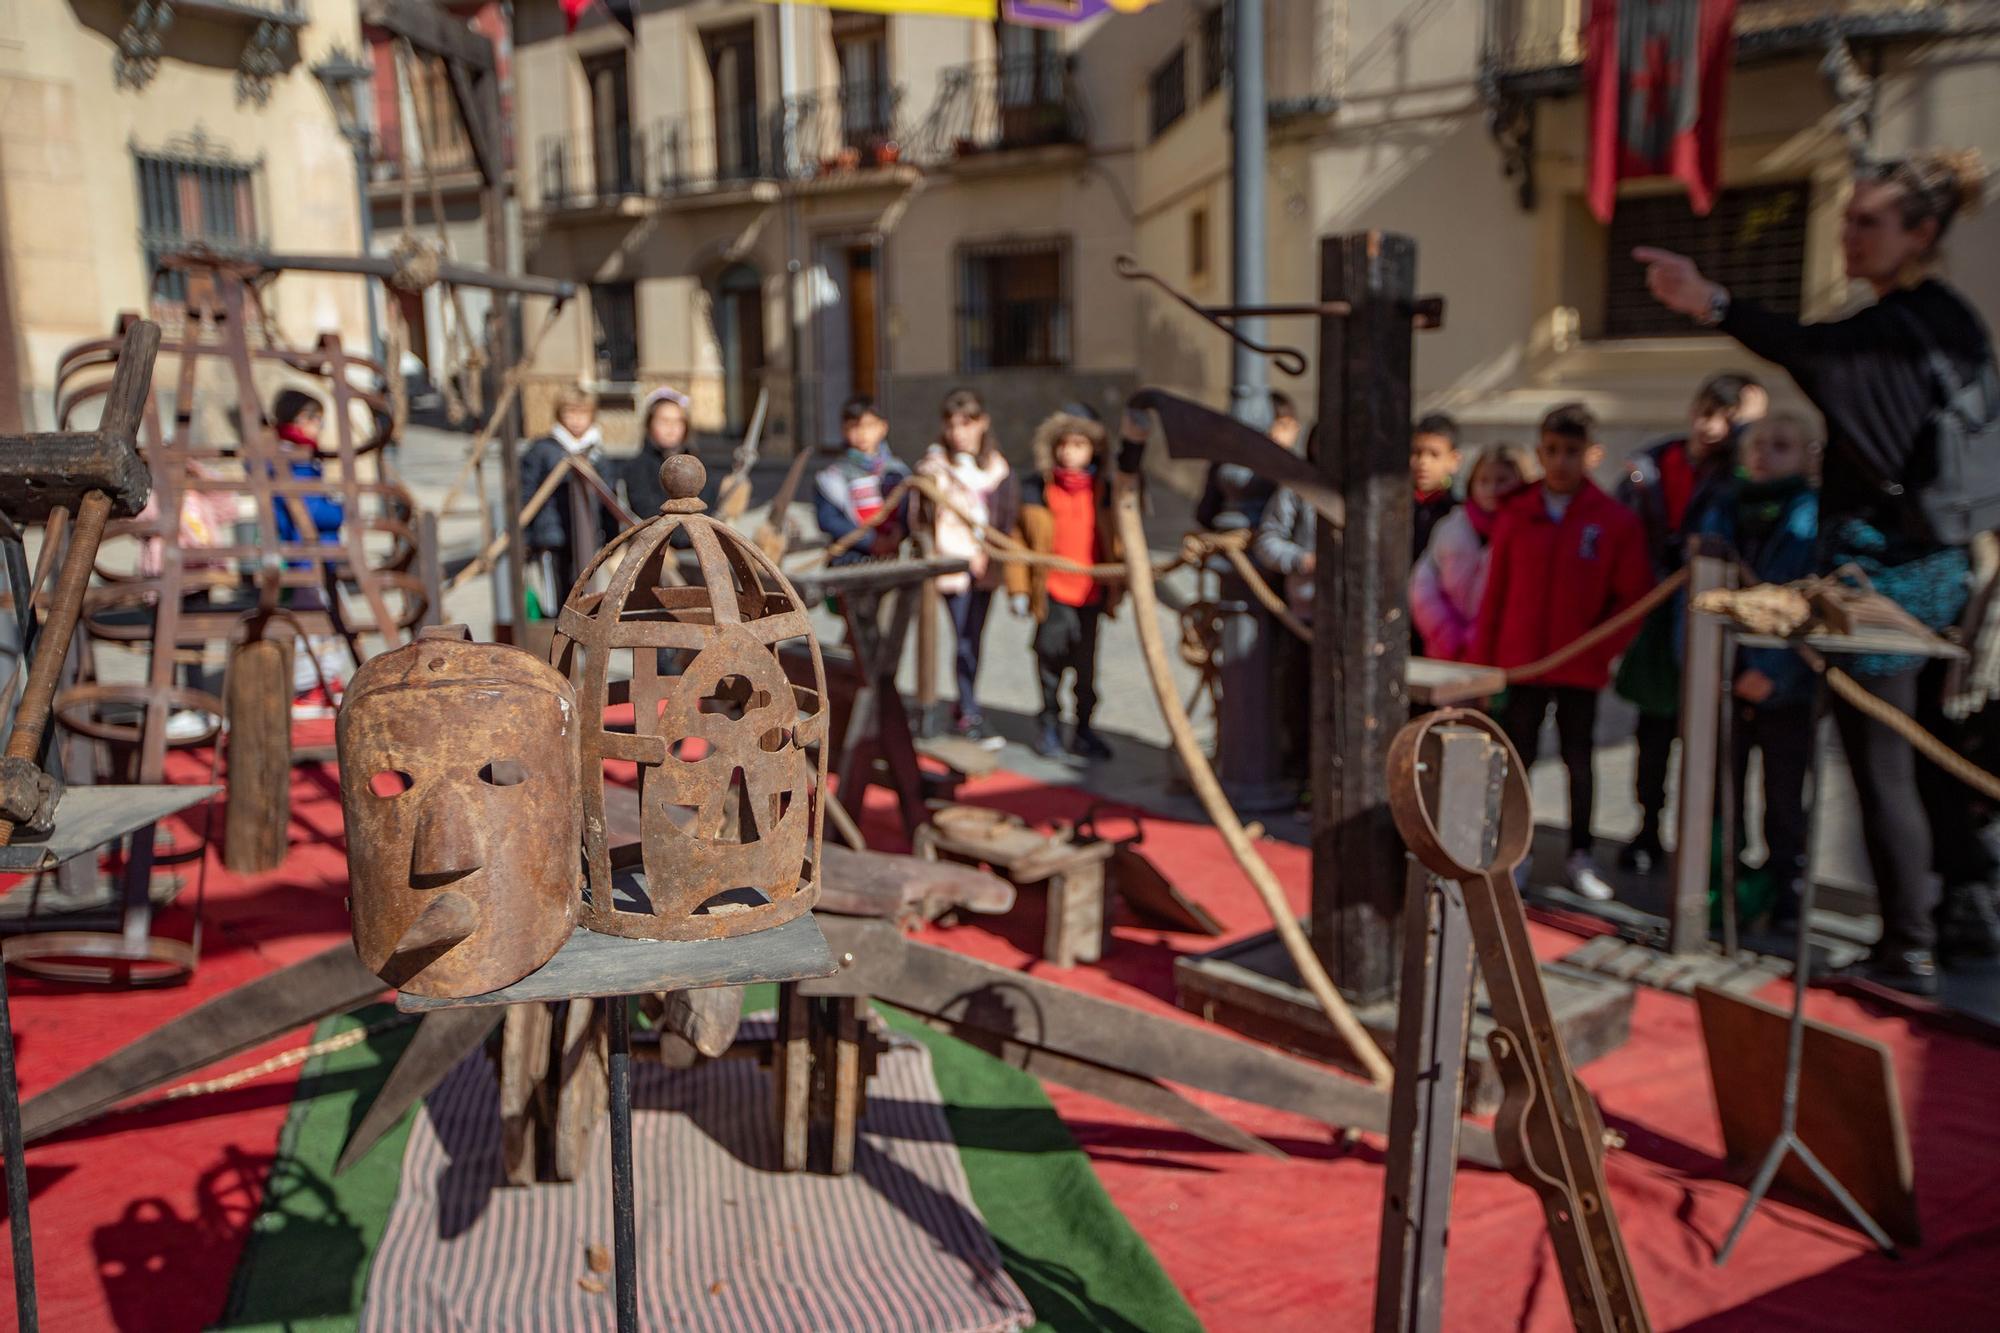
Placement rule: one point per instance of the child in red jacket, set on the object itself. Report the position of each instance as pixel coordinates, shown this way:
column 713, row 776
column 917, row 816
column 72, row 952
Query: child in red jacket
column 1566, row 558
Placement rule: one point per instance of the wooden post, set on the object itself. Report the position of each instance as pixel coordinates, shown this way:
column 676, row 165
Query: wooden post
column 1360, row 607
column 928, row 611
column 1702, row 688
column 259, row 707
column 1428, row 1096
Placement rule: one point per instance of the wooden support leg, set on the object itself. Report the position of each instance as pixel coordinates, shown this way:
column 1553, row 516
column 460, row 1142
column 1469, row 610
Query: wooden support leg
column 1075, row 930
column 791, row 1076
column 847, row 1079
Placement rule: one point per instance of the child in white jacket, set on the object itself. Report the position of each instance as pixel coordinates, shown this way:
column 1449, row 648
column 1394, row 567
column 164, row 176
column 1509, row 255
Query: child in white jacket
column 1449, row 578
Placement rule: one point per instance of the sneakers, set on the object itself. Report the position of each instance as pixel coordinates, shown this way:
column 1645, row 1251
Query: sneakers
column 973, row 729
column 1087, row 744
column 1048, row 743
column 189, row 724
column 1643, row 855
column 1911, row 971
column 1585, row 879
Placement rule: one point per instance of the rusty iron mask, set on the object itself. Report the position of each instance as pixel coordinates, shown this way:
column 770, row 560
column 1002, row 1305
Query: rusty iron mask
column 458, row 776
column 729, row 753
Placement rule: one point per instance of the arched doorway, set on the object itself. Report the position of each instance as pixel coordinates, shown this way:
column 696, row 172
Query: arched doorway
column 739, row 333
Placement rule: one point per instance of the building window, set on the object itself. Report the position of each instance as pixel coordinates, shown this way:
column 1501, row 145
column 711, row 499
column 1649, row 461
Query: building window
column 861, row 49
column 614, row 155
column 1197, row 244
column 1166, row 96
column 192, row 194
column 614, row 309
column 1753, row 242
column 1013, row 310
column 1214, row 48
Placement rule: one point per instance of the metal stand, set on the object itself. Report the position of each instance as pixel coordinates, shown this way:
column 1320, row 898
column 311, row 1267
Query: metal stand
column 25, row 1315
column 1788, row 1140
column 624, row 1229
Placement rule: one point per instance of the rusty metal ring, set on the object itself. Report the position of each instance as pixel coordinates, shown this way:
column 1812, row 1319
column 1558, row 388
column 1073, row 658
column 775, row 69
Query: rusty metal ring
column 60, row 955
column 1413, row 816
column 76, row 708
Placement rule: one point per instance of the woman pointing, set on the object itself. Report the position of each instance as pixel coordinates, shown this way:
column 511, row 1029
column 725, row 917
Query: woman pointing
column 1873, row 377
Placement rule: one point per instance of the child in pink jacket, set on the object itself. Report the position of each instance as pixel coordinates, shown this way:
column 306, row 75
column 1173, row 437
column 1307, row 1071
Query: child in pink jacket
column 1450, row 576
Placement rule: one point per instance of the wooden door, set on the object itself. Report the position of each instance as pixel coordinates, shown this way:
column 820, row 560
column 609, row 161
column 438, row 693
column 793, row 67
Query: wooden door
column 861, row 330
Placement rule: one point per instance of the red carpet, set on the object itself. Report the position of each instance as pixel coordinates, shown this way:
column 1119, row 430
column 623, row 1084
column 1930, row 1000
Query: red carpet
column 139, row 1219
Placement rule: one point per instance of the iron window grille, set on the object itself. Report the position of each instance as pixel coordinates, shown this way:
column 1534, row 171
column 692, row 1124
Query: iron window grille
column 1214, row 48
column 193, row 193
column 1013, row 311
column 614, row 311
column 1166, row 93
column 1753, row 242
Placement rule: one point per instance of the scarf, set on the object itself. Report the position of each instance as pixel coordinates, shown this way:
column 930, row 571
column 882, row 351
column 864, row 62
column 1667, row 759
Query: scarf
column 589, row 444
column 1482, row 521
column 291, row 434
column 1075, row 478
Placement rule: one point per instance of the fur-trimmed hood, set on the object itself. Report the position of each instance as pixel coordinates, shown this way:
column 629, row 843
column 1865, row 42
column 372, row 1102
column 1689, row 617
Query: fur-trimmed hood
column 1070, row 419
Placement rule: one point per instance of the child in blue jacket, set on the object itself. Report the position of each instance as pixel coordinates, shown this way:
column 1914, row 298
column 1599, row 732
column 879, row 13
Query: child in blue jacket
column 1770, row 517
column 298, row 418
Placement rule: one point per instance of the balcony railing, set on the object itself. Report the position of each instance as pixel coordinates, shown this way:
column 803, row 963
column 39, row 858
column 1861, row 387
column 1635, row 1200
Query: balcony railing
column 1536, row 46
column 589, row 168
column 819, row 136
column 388, row 161
column 1020, row 102
column 815, row 136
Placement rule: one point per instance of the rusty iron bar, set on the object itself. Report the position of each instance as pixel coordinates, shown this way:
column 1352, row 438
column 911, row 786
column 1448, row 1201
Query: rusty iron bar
column 52, row 644
column 1548, row 1132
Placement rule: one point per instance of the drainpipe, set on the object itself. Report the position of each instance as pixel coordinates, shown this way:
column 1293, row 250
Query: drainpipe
column 1249, row 718
column 788, row 89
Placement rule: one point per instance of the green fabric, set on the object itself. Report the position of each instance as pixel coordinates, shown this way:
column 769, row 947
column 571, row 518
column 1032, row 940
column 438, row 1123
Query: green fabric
column 305, row 1264
column 1073, row 1253
column 1648, row 674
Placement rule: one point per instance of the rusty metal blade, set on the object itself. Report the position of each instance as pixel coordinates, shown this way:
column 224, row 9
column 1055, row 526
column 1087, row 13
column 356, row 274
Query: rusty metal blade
column 445, row 1037
column 1194, row 431
column 327, row 983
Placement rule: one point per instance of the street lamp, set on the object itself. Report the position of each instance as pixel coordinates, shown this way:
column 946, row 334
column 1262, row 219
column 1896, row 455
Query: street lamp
column 347, row 81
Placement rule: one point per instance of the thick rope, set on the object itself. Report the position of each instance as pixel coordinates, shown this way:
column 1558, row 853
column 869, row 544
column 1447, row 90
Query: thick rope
column 1202, row 777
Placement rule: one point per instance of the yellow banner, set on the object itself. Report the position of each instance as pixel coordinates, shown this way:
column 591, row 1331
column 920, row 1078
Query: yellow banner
column 951, row 9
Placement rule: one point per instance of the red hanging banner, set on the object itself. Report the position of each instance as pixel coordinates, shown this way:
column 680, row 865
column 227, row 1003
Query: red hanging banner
column 1654, row 73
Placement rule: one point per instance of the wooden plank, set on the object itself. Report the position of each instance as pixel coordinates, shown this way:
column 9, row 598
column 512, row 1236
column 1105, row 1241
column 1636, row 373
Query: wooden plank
column 938, row 983
column 886, row 884
column 1593, row 952
column 1850, row 1114
column 959, row 754
column 1702, row 699
column 1361, row 608
column 90, row 817
column 590, row 965
column 258, row 703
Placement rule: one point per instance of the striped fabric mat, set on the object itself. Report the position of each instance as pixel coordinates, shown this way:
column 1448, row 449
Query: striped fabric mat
column 726, row 1241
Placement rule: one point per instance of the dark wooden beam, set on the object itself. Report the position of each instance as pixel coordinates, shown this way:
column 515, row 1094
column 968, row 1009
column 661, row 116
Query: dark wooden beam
column 432, row 30
column 1361, row 606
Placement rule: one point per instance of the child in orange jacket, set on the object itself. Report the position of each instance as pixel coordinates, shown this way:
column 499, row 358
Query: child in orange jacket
column 1566, row 558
